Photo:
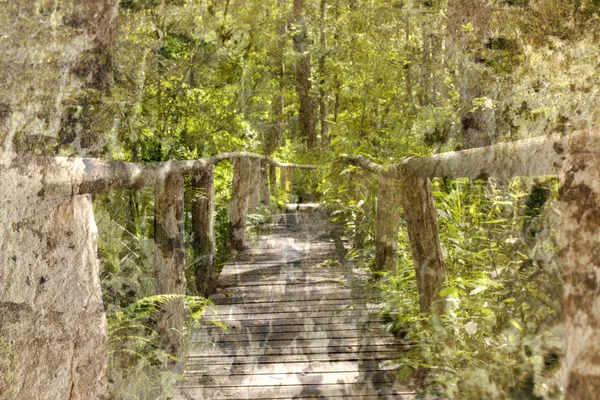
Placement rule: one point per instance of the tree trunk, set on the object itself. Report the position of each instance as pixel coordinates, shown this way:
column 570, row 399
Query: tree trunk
column 478, row 123
column 274, row 133
column 323, row 106
column 421, row 220
column 240, row 192
column 580, row 259
column 56, row 60
column 169, row 264
column 53, row 331
column 388, row 220
column 306, row 109
column 203, row 226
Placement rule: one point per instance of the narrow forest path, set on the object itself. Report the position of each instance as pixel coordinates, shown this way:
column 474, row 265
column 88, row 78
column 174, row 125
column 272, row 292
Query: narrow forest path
column 301, row 323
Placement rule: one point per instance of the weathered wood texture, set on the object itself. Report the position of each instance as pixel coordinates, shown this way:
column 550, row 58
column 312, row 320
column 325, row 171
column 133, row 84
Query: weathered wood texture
column 169, row 263
column 388, row 220
column 361, row 182
column 283, row 179
column 580, row 259
column 421, row 220
column 64, row 176
column 530, row 157
column 265, row 192
column 52, row 323
column 203, row 222
column 273, row 179
column 254, row 195
column 238, row 211
column 298, row 327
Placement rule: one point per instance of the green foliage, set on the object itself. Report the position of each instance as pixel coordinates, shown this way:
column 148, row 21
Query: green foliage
column 198, row 78
column 500, row 338
column 138, row 369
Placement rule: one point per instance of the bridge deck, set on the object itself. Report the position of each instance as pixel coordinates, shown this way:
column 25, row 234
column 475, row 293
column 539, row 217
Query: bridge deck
column 300, row 322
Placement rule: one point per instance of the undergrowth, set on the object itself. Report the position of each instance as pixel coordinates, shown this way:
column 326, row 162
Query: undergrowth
column 138, row 368
column 500, row 338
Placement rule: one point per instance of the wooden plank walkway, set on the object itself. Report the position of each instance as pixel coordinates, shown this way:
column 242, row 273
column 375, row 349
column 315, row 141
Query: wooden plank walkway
column 300, row 323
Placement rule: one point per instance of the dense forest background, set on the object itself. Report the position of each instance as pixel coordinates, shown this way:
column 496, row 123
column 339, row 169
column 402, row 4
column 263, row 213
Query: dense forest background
column 307, row 81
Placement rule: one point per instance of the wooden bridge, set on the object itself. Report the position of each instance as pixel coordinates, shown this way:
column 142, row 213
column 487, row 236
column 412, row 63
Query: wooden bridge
column 52, row 323
column 301, row 323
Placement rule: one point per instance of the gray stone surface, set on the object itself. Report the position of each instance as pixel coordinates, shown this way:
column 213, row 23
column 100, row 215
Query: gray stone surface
column 52, row 319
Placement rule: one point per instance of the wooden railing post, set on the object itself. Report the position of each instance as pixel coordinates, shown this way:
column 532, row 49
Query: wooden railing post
column 239, row 203
column 361, row 189
column 388, row 220
column 273, row 178
column 421, row 220
column 203, row 223
column 265, row 194
column 254, row 196
column 169, row 263
column 283, row 179
column 580, row 259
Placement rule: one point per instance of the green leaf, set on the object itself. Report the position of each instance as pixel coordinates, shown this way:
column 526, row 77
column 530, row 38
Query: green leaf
column 404, row 373
column 516, row 324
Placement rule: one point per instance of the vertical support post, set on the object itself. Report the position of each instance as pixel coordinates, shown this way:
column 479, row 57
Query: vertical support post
column 239, row 203
column 580, row 259
column 169, row 263
column 273, row 178
column 283, row 179
column 254, row 195
column 290, row 178
column 203, row 226
column 361, row 188
column 421, row 220
column 265, row 194
column 388, row 220
column 285, row 182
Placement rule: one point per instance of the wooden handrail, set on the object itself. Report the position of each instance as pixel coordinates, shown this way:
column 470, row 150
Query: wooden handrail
column 575, row 158
column 73, row 176
column 501, row 160
column 529, row 157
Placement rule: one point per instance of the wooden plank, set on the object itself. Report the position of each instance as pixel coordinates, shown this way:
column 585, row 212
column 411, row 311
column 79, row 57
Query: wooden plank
column 318, row 391
column 307, row 322
column 299, row 312
column 291, row 282
column 291, row 379
column 245, row 298
column 300, row 327
column 287, row 368
column 224, row 336
column 290, row 307
column 252, row 343
column 219, row 300
column 315, row 330
column 260, row 352
column 281, row 278
column 203, row 359
column 299, row 291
